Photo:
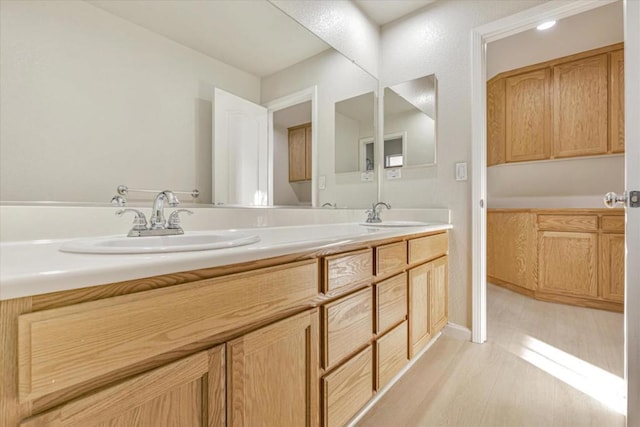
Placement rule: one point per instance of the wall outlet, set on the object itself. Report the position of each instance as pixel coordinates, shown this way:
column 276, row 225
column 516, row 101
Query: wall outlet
column 461, row 171
column 394, row 173
column 322, row 182
column 366, row 176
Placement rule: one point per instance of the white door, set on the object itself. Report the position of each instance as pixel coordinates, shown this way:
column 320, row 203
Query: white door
column 240, row 157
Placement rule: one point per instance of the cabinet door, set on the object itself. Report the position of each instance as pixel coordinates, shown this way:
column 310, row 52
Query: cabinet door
column 580, row 104
column 612, row 267
column 297, row 154
column 307, row 153
column 616, row 101
column 496, row 122
column 419, row 324
column 272, row 374
column 568, row 263
column 439, row 295
column 528, row 116
column 189, row 392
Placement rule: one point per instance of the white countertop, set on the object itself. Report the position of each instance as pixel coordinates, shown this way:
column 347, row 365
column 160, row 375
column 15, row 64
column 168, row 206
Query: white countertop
column 38, row 267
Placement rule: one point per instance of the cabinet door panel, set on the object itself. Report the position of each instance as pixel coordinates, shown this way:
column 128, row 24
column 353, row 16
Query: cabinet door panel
column 307, row 153
column 297, row 154
column 616, row 101
column 612, row 267
column 391, row 302
column 439, row 295
column 496, row 122
column 528, row 116
column 568, row 263
column 272, row 374
column 419, row 323
column 580, row 104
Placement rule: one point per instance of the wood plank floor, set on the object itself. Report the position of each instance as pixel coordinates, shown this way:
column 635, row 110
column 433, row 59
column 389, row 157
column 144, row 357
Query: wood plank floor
column 544, row 364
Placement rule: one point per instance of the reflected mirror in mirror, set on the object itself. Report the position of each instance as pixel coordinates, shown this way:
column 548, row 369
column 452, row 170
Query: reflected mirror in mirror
column 410, row 123
column 354, row 130
column 101, row 93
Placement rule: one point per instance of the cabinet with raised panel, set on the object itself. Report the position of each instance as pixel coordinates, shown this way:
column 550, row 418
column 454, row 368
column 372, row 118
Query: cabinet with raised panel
column 616, row 100
column 300, row 153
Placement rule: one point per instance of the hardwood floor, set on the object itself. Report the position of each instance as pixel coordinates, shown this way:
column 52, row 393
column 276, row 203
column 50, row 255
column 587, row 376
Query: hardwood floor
column 529, row 372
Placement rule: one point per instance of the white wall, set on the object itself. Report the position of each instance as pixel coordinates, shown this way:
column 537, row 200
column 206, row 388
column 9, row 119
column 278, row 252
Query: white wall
column 437, row 40
column 347, row 144
column 582, row 181
column 336, row 79
column 420, row 130
column 342, row 25
column 79, row 83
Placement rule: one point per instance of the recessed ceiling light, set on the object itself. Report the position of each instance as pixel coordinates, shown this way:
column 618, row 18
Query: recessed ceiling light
column 546, row 25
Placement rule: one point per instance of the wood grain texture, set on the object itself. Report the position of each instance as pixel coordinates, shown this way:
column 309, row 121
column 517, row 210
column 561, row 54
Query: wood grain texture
column 272, row 374
column 580, row 107
column 390, row 258
column 496, row 121
column 67, row 346
column 419, row 322
column 391, row 354
column 528, row 116
column 297, row 154
column 616, row 101
column 568, row 222
column 307, row 152
column 171, row 395
column 391, row 302
column 612, row 223
column 347, row 269
column 568, row 263
column 216, row 396
column 439, row 295
column 347, row 326
column 511, row 247
column 347, row 389
column 426, row 248
column 612, row 267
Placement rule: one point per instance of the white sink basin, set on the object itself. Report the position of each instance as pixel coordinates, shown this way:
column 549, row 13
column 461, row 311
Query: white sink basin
column 395, row 224
column 196, row 241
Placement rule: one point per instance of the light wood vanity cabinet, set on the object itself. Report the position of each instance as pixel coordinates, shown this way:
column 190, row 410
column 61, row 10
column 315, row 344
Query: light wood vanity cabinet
column 289, row 343
column 573, row 256
column 300, row 153
column 567, row 107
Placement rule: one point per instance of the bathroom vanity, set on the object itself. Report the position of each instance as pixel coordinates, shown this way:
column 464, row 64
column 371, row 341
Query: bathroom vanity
column 306, row 337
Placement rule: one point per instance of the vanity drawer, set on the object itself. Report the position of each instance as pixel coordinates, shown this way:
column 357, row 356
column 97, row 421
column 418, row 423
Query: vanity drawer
column 347, row 389
column 390, row 258
column 68, row 346
column 391, row 354
column 348, row 326
column 568, row 222
column 391, row 302
column 347, row 269
column 613, row 223
column 426, row 248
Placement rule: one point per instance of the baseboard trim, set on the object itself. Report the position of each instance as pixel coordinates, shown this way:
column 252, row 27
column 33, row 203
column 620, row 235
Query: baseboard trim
column 456, row 331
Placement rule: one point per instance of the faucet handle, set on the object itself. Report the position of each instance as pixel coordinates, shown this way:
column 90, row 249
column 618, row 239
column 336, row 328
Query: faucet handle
column 174, row 218
column 139, row 222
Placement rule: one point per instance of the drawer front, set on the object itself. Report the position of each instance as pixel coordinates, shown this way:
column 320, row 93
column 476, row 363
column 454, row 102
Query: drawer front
column 390, row 258
column 391, row 302
column 613, row 223
column 426, row 248
column 568, row 222
column 391, row 354
column 347, row 269
column 66, row 346
column 348, row 326
column 347, row 389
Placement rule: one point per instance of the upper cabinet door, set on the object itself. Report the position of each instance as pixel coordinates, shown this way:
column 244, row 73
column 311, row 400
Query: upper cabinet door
column 616, row 101
column 495, row 121
column 528, row 116
column 580, row 107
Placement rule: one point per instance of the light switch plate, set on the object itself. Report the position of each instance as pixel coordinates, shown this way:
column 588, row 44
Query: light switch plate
column 322, row 182
column 394, row 173
column 461, row 171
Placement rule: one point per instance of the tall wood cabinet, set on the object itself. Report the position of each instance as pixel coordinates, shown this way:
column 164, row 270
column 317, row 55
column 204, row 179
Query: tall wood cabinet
column 568, row 107
column 300, row 153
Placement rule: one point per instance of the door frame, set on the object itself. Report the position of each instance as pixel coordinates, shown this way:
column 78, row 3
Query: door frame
column 514, row 24
column 304, row 95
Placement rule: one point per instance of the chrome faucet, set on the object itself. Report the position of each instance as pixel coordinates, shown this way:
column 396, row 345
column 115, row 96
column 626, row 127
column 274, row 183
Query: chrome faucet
column 373, row 215
column 159, row 226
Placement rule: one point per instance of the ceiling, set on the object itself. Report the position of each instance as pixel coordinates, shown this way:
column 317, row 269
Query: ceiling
column 384, row 11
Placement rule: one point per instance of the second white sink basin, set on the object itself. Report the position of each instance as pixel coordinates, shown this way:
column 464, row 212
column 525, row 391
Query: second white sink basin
column 196, row 241
column 395, row 224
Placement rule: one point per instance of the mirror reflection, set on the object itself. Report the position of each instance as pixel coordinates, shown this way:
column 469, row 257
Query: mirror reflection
column 354, row 147
column 103, row 93
column 410, row 123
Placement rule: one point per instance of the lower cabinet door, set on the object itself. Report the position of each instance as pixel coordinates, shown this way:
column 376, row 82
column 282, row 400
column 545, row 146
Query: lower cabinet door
column 391, row 354
column 419, row 323
column 272, row 374
column 185, row 393
column 346, row 390
column 612, row 267
column 439, row 295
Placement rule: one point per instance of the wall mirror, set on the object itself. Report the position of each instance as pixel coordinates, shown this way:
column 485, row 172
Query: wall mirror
column 410, row 123
column 101, row 93
column 354, row 134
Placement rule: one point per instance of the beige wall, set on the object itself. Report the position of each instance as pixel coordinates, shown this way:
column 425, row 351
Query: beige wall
column 90, row 101
column 437, row 40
